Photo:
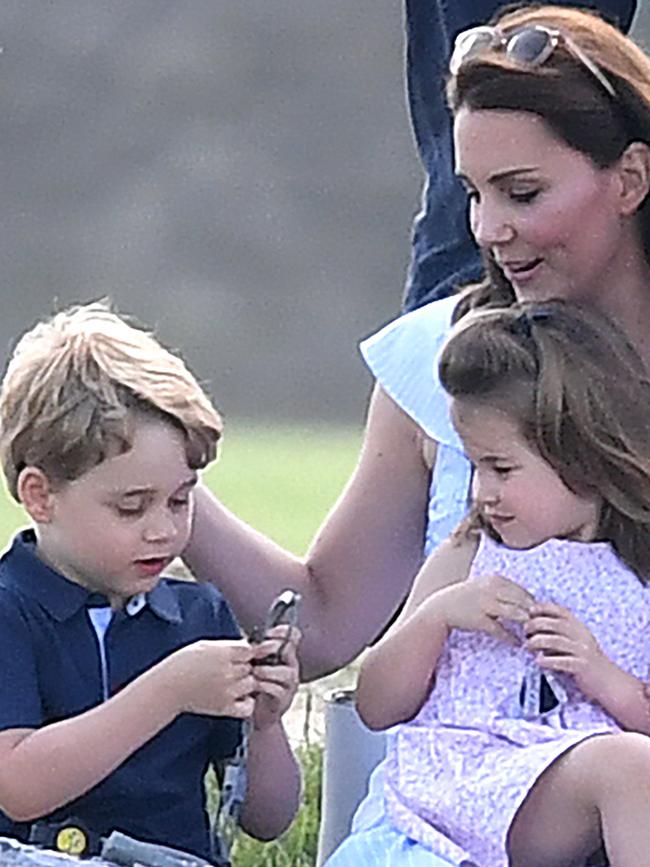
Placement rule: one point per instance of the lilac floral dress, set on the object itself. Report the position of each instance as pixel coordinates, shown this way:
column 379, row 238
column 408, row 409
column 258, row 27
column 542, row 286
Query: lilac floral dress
column 458, row 772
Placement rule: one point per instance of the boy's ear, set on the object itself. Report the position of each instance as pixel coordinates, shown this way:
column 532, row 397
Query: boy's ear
column 36, row 495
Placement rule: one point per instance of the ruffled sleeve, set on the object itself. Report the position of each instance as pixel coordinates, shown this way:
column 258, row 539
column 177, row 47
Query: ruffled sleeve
column 403, row 357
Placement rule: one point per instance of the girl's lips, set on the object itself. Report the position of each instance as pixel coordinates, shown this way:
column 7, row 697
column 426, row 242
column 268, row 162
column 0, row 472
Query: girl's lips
column 499, row 519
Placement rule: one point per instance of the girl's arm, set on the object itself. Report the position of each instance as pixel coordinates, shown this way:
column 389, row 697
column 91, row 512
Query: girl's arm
column 563, row 643
column 623, row 696
column 397, row 673
column 359, row 567
column 43, row 769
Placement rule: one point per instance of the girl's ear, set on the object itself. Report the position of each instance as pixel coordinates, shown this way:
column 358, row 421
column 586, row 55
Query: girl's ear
column 36, row 495
column 634, row 176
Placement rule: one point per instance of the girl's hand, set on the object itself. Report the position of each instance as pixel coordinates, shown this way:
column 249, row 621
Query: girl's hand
column 482, row 604
column 275, row 685
column 561, row 642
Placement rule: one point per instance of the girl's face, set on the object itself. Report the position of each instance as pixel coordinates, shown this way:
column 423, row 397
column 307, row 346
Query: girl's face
column 518, row 493
column 546, row 213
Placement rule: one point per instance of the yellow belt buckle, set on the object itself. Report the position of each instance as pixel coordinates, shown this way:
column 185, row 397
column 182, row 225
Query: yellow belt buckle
column 72, row 840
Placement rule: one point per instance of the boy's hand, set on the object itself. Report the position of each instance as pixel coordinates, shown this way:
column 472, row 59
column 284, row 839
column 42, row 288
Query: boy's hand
column 561, row 642
column 275, row 685
column 213, row 677
column 482, row 604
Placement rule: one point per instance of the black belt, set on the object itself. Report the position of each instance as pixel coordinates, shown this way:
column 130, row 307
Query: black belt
column 70, row 836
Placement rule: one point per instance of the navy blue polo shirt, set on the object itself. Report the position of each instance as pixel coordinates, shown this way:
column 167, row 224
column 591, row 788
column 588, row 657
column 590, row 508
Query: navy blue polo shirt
column 52, row 669
column 443, row 254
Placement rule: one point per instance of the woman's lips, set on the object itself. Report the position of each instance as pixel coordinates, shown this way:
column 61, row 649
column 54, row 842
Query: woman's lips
column 523, row 272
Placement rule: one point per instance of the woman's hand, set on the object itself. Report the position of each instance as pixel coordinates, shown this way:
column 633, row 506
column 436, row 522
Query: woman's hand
column 561, row 642
column 275, row 685
column 482, row 604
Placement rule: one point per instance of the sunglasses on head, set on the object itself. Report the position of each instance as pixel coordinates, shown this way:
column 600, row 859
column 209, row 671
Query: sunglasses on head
column 528, row 46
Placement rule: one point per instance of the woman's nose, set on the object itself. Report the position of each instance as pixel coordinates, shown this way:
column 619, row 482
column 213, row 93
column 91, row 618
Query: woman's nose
column 490, row 225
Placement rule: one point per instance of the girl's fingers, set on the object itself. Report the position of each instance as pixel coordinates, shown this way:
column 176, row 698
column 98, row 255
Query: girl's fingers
column 553, row 644
column 493, row 627
column 550, row 609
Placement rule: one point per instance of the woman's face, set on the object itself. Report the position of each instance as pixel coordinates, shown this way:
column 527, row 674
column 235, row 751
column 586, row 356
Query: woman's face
column 546, row 213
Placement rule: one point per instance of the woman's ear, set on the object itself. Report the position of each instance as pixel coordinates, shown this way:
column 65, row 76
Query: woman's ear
column 36, row 495
column 634, row 175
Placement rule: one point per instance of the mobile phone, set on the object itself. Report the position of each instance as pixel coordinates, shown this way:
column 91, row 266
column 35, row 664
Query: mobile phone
column 283, row 610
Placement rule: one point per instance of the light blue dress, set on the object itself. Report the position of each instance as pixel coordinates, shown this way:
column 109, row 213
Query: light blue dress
column 403, row 359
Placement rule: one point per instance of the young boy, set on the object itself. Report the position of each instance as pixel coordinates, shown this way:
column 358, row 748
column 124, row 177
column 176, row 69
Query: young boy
column 120, row 687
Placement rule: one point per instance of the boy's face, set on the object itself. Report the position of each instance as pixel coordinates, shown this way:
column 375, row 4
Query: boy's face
column 119, row 525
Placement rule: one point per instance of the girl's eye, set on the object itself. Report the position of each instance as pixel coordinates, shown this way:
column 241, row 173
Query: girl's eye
column 503, row 471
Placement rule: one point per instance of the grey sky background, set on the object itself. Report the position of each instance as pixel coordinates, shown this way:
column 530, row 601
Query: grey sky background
column 240, row 176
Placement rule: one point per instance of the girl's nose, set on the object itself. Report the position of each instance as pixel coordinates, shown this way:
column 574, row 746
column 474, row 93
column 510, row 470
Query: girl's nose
column 485, row 493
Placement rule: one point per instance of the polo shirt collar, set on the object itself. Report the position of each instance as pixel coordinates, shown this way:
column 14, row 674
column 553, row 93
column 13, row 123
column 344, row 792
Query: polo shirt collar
column 60, row 597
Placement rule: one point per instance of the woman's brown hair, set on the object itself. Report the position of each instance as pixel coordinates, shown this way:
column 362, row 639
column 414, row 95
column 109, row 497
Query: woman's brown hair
column 570, row 100
column 574, row 385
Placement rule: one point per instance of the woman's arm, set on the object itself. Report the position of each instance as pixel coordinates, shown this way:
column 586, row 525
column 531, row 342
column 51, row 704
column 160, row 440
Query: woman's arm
column 363, row 559
column 397, row 674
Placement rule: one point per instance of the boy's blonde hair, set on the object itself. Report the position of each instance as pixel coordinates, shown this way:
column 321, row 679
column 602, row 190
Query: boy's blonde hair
column 72, row 385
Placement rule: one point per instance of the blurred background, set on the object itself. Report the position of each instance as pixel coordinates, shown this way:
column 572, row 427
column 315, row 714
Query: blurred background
column 239, row 176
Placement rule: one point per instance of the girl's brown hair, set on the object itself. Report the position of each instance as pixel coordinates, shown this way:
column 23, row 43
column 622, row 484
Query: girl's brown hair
column 575, row 386
column 570, row 100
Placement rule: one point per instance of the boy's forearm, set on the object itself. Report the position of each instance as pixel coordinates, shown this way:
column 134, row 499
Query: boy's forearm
column 49, row 767
column 273, row 784
column 398, row 672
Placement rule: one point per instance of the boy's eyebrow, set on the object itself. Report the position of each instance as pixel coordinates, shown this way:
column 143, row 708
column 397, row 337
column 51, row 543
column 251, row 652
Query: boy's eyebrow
column 148, row 489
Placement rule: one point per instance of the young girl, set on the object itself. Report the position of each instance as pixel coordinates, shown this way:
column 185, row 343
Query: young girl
column 529, row 631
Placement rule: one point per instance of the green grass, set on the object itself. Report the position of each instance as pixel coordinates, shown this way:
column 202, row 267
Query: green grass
column 283, row 480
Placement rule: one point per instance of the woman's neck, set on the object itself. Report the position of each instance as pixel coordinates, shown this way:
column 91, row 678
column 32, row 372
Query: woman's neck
column 626, row 299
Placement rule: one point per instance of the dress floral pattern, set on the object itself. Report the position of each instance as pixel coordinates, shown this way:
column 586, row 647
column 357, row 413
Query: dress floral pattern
column 458, row 772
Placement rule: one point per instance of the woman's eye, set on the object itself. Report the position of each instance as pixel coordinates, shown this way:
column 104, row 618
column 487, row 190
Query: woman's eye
column 524, row 197
column 129, row 511
column 502, row 471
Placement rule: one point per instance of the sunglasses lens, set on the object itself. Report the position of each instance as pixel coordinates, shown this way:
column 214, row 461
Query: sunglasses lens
column 472, row 43
column 531, row 46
